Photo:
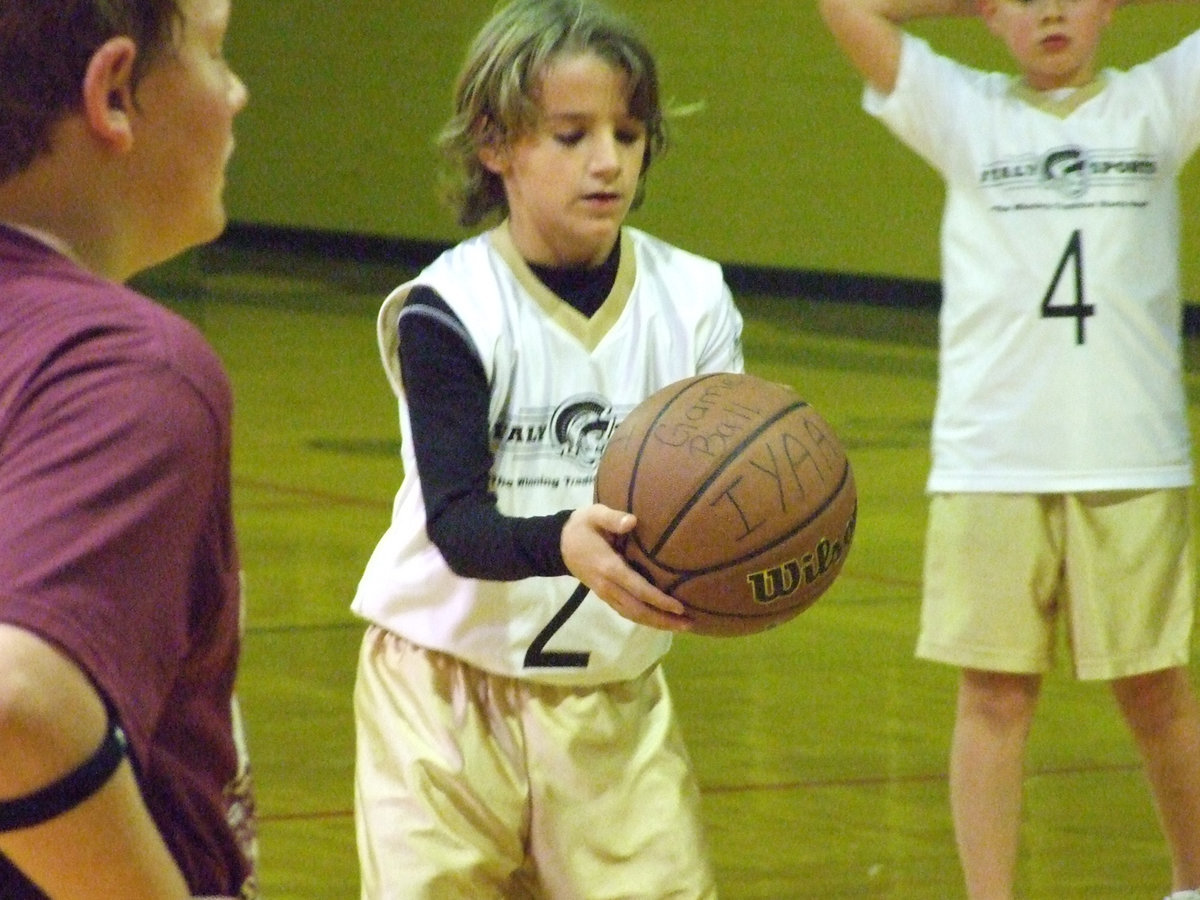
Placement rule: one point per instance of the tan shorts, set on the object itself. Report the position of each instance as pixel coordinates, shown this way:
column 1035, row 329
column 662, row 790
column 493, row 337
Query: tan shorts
column 469, row 786
column 1003, row 570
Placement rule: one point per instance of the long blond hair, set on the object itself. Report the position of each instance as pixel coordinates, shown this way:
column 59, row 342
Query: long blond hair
column 495, row 95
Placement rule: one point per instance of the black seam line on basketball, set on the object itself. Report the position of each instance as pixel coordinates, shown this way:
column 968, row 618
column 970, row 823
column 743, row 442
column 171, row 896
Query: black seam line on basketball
column 689, row 574
column 663, row 410
column 669, row 531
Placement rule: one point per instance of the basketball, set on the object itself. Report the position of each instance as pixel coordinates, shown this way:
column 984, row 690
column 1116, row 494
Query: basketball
column 744, row 497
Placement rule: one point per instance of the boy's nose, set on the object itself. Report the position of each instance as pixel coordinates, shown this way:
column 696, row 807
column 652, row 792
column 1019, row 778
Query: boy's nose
column 605, row 155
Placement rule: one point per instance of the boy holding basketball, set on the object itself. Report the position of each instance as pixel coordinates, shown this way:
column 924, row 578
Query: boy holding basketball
column 1061, row 469
column 515, row 733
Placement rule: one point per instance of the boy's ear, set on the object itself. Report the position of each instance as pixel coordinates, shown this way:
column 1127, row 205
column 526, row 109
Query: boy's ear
column 108, row 93
column 494, row 158
column 493, row 149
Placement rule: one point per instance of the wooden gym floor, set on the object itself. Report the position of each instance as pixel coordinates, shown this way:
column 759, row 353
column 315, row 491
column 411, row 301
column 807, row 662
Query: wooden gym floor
column 821, row 746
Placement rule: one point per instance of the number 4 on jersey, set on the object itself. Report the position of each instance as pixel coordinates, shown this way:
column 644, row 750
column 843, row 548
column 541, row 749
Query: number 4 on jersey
column 1077, row 309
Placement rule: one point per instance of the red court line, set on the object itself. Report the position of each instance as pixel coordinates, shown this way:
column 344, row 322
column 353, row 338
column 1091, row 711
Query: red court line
column 851, row 574
column 809, row 784
column 912, row 778
column 312, row 495
column 327, row 815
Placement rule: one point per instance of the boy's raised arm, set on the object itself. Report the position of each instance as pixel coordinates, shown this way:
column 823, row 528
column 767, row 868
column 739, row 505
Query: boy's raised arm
column 868, row 31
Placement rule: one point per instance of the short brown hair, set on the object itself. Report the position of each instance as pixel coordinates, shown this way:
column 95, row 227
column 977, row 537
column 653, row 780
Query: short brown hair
column 45, row 48
column 495, row 95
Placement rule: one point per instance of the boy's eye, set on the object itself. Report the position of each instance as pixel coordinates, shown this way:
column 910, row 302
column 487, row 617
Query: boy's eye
column 573, row 136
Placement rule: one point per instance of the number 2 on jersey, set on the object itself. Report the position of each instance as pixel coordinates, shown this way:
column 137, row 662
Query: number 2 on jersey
column 1077, row 310
column 538, row 657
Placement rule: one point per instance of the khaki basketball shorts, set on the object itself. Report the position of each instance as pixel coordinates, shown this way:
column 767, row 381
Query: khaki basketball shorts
column 473, row 786
column 1010, row 577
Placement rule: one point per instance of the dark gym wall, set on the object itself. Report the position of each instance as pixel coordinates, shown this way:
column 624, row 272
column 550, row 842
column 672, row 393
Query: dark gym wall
column 780, row 168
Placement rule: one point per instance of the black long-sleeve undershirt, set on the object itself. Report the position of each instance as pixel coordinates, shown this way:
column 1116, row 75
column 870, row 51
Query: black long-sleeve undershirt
column 448, row 399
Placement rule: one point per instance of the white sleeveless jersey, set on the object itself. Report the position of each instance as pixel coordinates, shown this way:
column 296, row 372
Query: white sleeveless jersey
column 1060, row 364
column 560, row 382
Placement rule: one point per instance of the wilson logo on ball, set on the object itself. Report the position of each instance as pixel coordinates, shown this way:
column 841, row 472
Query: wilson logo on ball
column 780, row 582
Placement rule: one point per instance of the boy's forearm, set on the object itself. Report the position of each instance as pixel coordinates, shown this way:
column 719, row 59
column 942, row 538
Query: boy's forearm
column 869, row 31
column 900, row 11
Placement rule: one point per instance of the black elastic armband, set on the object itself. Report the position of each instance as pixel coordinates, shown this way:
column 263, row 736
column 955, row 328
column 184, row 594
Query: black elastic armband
column 69, row 791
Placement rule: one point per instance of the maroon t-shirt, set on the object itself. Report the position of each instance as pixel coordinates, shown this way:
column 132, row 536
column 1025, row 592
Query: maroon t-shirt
column 116, row 537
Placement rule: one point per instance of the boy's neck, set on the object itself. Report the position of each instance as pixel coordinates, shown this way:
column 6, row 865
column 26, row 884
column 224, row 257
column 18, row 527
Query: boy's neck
column 583, row 287
column 44, row 237
column 1059, row 101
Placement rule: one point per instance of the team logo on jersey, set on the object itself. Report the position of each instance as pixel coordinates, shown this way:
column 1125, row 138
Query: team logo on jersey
column 1069, row 171
column 582, row 426
column 1066, row 171
column 578, row 430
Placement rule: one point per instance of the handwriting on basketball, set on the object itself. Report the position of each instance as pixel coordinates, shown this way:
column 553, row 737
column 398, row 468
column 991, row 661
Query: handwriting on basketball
column 768, row 462
column 711, row 422
column 775, row 467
